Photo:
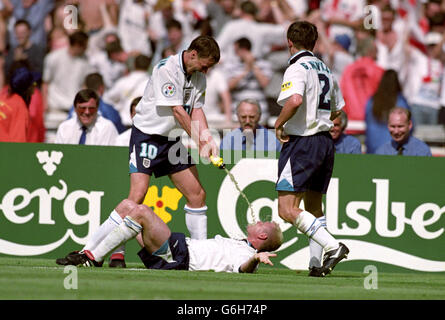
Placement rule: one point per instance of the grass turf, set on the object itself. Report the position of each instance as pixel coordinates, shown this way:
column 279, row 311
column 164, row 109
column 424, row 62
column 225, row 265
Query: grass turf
column 42, row 279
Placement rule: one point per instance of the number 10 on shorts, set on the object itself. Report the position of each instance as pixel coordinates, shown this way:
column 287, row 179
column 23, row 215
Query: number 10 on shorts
column 148, row 151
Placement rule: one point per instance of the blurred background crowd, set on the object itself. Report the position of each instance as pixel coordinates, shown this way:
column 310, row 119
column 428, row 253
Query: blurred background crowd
column 383, row 53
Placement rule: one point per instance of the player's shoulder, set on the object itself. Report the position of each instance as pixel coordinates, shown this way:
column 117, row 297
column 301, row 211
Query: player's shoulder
column 168, row 63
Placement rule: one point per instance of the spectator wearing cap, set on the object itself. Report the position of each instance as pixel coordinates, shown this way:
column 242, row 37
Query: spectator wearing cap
column 335, row 53
column 14, row 101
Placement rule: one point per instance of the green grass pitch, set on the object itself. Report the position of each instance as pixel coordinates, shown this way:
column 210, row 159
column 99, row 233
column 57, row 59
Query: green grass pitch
column 42, row 279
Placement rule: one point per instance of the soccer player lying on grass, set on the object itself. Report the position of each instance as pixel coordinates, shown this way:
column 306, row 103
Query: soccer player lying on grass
column 163, row 249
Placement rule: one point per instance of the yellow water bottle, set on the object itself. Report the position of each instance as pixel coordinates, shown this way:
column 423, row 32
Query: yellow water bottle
column 217, row 162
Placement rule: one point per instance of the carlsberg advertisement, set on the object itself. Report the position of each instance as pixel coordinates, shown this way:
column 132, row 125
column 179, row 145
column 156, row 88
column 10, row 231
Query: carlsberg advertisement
column 389, row 210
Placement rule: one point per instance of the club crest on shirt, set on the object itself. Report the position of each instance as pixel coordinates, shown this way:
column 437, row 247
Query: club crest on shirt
column 146, row 163
column 286, row 85
column 168, row 89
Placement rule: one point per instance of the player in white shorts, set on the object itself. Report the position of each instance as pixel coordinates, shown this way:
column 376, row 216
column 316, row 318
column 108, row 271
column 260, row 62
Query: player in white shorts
column 173, row 99
column 311, row 99
column 165, row 250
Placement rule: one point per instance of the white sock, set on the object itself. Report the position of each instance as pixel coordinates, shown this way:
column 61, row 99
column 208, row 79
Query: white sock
column 196, row 221
column 312, row 227
column 127, row 230
column 105, row 228
column 315, row 250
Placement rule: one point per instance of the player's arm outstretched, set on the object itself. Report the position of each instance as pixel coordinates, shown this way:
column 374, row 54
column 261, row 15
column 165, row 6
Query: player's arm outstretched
column 250, row 265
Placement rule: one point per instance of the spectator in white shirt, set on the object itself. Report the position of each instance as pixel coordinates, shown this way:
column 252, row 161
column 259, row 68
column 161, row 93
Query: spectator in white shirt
column 64, row 72
column 128, row 87
column 111, row 63
column 87, row 126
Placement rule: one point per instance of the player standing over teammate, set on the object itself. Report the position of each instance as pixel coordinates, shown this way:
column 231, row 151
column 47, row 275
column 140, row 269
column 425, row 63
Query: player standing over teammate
column 173, row 99
column 311, row 99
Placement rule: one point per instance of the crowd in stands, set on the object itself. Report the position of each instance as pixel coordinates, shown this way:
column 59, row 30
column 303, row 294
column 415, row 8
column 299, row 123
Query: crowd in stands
column 383, row 53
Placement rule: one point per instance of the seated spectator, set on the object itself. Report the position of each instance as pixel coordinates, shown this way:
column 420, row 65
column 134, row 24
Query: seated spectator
column 344, row 143
column 250, row 135
column 128, row 87
column 402, row 142
column 124, row 138
column 94, row 81
column 87, row 127
column 388, row 95
column 14, row 101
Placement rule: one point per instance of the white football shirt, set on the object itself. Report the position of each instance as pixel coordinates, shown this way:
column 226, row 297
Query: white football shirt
column 218, row 254
column 168, row 86
column 311, row 78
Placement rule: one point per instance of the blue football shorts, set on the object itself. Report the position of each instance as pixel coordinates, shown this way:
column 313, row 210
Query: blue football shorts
column 156, row 154
column 173, row 254
column 306, row 163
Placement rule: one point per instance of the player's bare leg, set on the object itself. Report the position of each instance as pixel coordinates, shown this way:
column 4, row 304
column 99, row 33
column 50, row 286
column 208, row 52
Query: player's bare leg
column 154, row 231
column 187, row 182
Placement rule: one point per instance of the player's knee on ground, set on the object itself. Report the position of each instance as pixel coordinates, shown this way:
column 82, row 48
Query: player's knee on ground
column 125, row 207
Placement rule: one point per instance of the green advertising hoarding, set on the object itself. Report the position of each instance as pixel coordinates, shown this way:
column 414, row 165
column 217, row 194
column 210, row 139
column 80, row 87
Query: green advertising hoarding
column 388, row 210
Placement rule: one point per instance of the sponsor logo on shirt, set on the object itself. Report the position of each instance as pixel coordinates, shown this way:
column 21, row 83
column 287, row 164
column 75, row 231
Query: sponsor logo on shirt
column 286, row 86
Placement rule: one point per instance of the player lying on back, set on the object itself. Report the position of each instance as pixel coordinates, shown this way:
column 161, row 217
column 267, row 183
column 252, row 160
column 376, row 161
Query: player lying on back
column 163, row 249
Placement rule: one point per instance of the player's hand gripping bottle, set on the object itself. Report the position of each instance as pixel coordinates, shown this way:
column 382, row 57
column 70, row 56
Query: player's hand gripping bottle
column 217, row 162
